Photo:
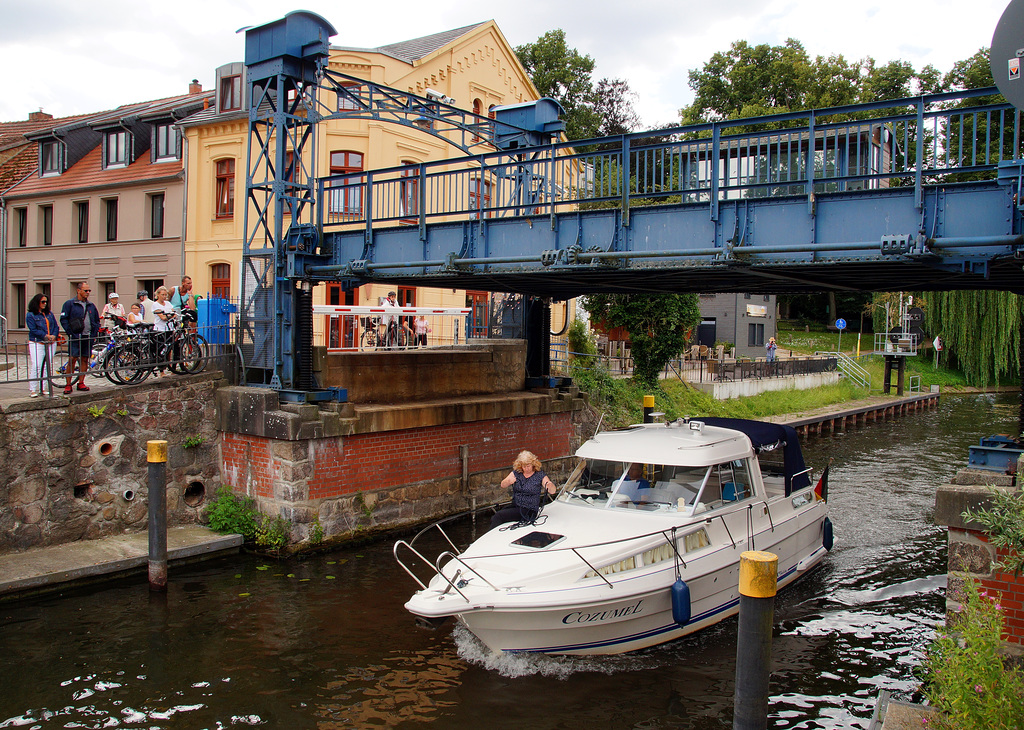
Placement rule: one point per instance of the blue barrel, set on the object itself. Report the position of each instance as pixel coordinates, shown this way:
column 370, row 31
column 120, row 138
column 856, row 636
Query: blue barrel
column 215, row 319
column 681, row 602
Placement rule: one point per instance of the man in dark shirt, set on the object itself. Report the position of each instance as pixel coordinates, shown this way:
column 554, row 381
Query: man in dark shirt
column 81, row 320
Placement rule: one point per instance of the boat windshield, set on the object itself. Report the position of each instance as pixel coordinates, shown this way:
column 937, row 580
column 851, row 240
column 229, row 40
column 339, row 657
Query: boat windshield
column 658, row 487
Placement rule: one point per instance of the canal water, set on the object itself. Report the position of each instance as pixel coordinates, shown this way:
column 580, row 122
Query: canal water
column 325, row 643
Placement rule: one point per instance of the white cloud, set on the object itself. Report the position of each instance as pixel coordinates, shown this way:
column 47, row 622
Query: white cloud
column 71, row 57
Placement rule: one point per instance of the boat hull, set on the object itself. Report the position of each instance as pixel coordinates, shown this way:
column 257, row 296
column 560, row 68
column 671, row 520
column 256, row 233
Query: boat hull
column 635, row 612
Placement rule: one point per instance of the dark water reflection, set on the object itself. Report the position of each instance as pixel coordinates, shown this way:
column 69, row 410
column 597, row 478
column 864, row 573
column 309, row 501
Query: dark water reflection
column 325, row 643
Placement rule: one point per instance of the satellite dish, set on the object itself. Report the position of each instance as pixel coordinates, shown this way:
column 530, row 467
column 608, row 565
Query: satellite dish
column 1007, row 54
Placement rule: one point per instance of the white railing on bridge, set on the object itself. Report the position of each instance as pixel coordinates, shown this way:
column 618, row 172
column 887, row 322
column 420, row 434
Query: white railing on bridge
column 353, row 328
column 896, row 343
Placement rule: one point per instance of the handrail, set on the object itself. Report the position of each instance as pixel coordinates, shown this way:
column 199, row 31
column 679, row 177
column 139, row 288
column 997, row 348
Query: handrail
column 456, row 556
column 851, row 369
column 912, row 142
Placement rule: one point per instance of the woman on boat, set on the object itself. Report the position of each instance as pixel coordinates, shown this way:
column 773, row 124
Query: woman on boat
column 528, row 482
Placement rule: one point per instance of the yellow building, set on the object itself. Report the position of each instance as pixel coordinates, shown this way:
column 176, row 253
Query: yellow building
column 474, row 65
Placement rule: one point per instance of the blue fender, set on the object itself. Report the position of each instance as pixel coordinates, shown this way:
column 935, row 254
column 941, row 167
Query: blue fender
column 681, row 602
column 827, row 538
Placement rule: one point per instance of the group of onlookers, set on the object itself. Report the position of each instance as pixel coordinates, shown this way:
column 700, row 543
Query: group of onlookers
column 81, row 323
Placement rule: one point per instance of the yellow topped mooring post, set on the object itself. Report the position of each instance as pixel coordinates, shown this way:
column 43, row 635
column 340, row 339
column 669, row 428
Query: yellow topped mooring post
column 648, row 409
column 759, row 572
column 156, row 455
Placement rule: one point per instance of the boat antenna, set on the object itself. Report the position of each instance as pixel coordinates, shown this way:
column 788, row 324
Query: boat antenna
column 598, row 428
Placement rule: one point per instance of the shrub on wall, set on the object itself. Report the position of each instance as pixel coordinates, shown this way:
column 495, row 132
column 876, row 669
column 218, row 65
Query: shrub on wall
column 229, row 513
column 966, row 677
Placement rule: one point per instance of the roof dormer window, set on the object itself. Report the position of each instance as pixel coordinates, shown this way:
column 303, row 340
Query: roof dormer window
column 49, row 154
column 230, row 93
column 116, row 153
column 166, row 142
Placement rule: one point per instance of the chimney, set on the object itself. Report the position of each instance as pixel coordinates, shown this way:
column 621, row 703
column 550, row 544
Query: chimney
column 195, row 87
column 39, row 116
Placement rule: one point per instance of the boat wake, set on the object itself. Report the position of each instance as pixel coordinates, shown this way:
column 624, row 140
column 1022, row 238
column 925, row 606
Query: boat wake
column 931, row 584
column 473, row 651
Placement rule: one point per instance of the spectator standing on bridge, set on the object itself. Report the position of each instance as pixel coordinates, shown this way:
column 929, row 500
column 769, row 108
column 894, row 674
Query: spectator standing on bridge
column 81, row 320
column 770, row 349
column 42, row 340
column 528, row 482
column 135, row 315
column 147, row 307
column 112, row 307
column 163, row 310
column 182, row 296
column 422, row 327
column 390, row 320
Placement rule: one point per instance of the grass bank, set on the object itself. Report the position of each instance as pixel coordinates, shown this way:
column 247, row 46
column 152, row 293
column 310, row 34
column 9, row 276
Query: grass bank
column 621, row 400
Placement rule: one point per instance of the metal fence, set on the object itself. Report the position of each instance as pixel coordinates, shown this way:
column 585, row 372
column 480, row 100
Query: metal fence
column 363, row 328
column 698, row 370
column 121, row 355
column 899, row 143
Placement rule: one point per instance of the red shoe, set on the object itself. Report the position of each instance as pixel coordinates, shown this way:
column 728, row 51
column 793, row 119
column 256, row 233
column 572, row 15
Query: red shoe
column 67, row 390
column 83, row 387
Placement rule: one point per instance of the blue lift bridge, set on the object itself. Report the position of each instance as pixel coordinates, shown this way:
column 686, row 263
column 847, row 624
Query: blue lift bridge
column 910, row 194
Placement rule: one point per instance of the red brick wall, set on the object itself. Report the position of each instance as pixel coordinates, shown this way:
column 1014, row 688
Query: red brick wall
column 390, row 459
column 372, row 461
column 1011, row 599
column 243, row 456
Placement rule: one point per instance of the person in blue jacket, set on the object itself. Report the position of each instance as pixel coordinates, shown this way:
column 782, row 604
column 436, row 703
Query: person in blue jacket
column 81, row 320
column 42, row 341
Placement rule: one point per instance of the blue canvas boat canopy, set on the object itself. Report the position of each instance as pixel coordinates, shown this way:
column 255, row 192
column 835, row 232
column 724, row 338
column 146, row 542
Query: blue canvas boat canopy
column 770, row 437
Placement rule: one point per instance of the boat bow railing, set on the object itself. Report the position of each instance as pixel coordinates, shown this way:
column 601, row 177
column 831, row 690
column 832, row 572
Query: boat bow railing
column 456, row 582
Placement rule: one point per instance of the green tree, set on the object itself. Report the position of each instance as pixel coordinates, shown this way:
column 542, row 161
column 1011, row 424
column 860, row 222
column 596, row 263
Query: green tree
column 748, row 81
column 657, row 325
column 613, row 102
column 981, row 332
column 564, row 74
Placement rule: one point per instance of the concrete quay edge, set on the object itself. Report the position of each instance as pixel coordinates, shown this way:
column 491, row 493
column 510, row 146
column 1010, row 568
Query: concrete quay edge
column 60, row 566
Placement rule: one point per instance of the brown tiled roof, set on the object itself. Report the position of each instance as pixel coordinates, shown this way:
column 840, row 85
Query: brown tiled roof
column 13, row 133
column 15, row 164
column 88, row 174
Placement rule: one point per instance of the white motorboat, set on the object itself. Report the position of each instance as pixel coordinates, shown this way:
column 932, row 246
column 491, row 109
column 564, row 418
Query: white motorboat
column 626, row 558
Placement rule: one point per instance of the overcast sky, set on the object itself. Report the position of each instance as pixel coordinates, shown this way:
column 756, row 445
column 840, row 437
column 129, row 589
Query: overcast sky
column 71, row 57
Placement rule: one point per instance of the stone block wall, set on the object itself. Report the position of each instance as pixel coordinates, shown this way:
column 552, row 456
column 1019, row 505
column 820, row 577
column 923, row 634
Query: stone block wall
column 970, row 552
column 484, row 367
column 75, row 468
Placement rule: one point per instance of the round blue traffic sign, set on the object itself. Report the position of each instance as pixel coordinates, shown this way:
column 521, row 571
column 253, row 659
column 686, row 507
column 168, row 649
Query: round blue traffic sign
column 840, row 324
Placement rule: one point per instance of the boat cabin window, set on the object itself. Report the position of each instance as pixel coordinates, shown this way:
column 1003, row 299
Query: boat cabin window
column 658, row 487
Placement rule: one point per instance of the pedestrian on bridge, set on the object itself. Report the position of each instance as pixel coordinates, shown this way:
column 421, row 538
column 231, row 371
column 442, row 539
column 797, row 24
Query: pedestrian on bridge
column 42, row 341
column 770, row 349
column 81, row 320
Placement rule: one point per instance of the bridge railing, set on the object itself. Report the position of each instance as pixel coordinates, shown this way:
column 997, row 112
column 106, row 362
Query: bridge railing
column 907, row 142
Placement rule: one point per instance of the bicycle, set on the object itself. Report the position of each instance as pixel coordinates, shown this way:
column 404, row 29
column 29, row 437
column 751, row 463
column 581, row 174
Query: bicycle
column 180, row 348
column 97, row 361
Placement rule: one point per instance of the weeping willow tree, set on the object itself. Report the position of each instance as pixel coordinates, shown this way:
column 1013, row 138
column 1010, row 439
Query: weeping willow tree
column 980, row 331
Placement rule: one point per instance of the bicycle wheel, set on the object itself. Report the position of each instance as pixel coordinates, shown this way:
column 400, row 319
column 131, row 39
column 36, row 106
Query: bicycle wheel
column 191, row 353
column 110, row 368
column 130, row 363
column 368, row 340
column 97, row 368
column 59, row 368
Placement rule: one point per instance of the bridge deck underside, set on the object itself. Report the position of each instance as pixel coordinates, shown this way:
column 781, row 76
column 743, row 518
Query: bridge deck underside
column 964, row 236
